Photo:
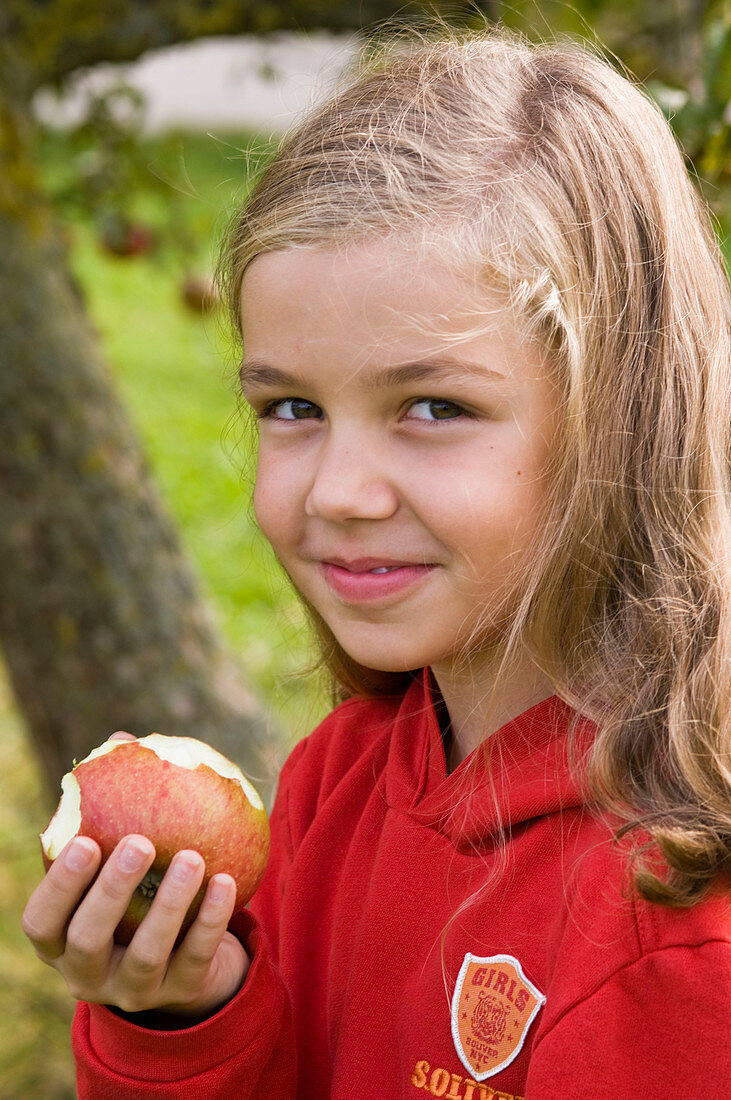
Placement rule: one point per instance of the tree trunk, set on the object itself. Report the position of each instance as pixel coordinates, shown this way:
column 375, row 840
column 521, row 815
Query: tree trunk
column 101, row 623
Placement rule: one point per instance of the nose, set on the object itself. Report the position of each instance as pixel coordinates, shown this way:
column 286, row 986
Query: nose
column 349, row 482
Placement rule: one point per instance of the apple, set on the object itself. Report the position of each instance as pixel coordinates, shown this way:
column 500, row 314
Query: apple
column 122, row 237
column 199, row 293
column 179, row 792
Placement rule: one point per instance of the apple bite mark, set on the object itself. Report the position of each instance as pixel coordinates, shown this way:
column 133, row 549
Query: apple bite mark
column 186, row 752
column 178, row 792
column 66, row 821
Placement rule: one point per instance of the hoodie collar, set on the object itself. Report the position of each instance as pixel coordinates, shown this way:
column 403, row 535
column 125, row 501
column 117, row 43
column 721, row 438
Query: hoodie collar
column 521, row 772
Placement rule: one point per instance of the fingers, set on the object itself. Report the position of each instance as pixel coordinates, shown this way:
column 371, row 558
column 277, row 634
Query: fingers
column 205, row 934
column 120, row 735
column 94, row 922
column 156, row 936
column 53, row 901
column 210, row 965
column 71, row 919
column 152, row 970
column 90, row 933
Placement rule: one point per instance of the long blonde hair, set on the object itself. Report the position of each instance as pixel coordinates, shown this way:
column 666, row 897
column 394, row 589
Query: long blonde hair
column 557, row 180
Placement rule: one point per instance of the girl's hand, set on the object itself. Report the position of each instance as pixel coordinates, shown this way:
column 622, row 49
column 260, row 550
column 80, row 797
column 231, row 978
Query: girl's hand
column 71, row 926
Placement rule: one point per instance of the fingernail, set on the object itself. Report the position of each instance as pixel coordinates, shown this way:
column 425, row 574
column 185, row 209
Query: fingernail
column 79, row 854
column 219, row 890
column 132, row 856
column 183, row 868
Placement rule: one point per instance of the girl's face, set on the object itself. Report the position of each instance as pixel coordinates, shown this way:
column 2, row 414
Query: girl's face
column 401, row 469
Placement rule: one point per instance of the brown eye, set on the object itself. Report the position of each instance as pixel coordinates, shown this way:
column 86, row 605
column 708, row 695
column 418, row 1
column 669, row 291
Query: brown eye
column 436, row 409
column 291, row 408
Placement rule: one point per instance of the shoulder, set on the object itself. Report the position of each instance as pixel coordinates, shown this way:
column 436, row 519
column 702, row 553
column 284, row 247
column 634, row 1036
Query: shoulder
column 349, row 748
column 602, row 893
column 638, row 996
column 611, row 939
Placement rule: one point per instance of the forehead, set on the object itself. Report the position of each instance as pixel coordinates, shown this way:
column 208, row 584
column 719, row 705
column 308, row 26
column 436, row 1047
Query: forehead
column 370, row 267
column 378, row 299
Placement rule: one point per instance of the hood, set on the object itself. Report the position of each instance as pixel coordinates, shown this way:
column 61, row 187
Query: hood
column 522, row 771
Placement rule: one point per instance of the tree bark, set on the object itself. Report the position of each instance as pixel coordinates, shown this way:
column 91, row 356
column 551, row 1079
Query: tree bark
column 101, row 622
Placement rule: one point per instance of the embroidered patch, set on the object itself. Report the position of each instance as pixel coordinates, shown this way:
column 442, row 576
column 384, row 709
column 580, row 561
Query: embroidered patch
column 493, row 1006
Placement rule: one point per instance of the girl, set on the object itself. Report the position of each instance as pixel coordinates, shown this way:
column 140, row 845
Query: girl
column 486, row 337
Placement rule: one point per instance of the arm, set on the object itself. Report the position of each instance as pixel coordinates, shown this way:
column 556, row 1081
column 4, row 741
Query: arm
column 246, row 1050
column 658, row 1027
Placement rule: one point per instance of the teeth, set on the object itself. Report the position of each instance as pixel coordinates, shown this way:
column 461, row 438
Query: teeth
column 384, row 569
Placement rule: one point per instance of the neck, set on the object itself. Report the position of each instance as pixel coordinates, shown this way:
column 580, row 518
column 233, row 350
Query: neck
column 479, row 701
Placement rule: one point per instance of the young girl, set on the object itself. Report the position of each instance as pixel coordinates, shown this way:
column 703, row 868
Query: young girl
column 486, row 337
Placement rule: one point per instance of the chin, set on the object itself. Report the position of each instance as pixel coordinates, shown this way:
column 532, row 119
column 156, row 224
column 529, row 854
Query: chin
column 391, row 666
column 386, row 661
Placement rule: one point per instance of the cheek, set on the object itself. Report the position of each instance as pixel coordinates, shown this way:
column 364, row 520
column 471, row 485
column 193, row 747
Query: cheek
column 488, row 521
column 278, row 499
column 259, row 503
column 270, row 505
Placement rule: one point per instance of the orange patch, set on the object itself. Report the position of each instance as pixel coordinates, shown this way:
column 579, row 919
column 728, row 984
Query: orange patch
column 493, row 1007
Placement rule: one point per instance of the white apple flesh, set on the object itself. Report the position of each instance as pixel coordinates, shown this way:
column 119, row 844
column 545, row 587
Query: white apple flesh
column 178, row 792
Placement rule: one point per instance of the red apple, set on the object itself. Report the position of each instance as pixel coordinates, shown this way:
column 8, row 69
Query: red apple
column 179, row 792
column 122, row 237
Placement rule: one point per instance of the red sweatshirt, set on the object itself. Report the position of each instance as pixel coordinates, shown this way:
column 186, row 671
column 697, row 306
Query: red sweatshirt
column 373, row 979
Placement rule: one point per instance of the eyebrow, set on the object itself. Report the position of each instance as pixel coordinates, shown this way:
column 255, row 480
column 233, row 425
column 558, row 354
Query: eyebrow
column 255, row 374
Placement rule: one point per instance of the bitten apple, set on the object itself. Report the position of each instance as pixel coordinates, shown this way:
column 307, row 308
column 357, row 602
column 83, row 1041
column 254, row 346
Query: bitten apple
column 179, row 792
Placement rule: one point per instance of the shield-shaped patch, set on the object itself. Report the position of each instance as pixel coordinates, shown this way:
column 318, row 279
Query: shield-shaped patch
column 493, row 1007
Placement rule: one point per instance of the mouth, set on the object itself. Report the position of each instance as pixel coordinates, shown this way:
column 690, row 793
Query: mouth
column 374, row 565
column 372, row 578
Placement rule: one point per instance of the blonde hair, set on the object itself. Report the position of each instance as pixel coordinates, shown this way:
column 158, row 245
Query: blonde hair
column 550, row 176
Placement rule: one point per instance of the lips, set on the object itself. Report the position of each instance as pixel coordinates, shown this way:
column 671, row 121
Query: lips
column 370, row 579
column 368, row 565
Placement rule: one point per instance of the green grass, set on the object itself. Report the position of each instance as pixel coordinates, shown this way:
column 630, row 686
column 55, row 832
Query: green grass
column 173, row 369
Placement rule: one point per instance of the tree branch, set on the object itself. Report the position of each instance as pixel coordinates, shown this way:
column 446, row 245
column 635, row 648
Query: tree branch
column 52, row 38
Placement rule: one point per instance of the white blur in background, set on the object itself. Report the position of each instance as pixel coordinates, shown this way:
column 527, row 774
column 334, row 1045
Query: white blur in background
column 237, row 83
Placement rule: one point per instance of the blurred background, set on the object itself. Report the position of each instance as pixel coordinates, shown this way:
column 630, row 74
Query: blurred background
column 135, row 590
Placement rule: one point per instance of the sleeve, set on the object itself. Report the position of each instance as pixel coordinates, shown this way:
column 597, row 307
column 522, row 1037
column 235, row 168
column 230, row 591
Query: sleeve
column 658, row 1027
column 246, row 1050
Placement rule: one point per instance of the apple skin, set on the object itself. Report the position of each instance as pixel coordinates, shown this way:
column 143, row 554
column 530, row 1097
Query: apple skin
column 121, row 237
column 129, row 788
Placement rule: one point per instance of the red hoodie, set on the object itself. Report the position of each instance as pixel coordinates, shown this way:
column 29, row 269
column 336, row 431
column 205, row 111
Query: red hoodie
column 369, row 981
